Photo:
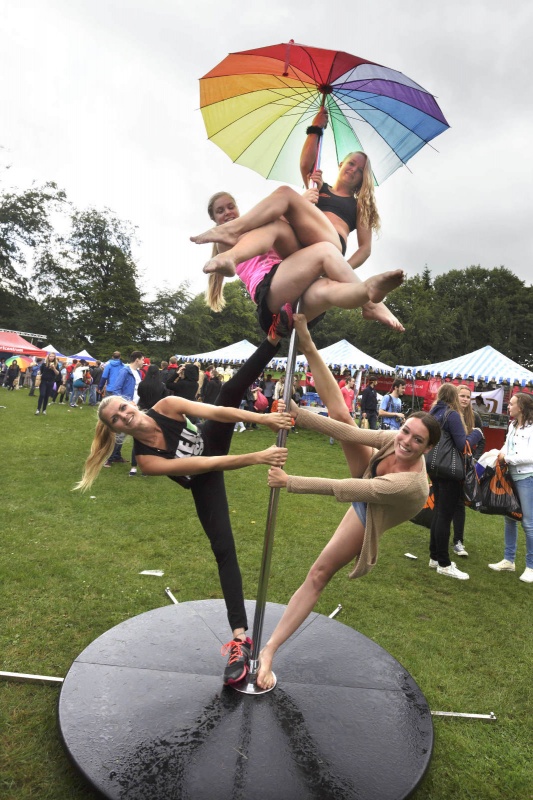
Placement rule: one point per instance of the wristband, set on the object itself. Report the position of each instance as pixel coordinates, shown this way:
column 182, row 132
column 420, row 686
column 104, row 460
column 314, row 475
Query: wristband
column 315, row 129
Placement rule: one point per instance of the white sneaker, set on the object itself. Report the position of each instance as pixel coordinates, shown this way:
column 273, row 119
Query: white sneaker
column 44, row 412
column 453, row 572
column 433, row 564
column 527, row 575
column 503, row 566
column 37, row 412
column 133, row 472
column 459, row 549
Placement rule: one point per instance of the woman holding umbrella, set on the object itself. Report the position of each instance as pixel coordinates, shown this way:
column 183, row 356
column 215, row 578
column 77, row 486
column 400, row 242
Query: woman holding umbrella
column 349, row 203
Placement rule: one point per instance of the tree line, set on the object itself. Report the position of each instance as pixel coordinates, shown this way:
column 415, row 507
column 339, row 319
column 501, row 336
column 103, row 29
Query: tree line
column 82, row 288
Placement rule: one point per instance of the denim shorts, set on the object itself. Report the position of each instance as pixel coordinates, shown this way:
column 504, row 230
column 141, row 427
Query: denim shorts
column 360, row 510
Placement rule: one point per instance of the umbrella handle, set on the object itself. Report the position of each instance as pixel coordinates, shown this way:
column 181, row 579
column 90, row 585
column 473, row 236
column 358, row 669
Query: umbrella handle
column 319, row 147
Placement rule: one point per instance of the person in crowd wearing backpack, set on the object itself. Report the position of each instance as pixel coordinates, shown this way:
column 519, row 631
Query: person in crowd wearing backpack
column 390, row 411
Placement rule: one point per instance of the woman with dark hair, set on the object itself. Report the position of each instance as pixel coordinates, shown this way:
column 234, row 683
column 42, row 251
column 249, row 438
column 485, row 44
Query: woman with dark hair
column 388, row 486
column 517, row 453
column 447, row 411
column 185, row 382
column 166, row 442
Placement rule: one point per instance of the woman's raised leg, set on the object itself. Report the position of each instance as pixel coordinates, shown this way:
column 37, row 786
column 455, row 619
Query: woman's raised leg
column 310, row 225
column 357, row 455
column 342, row 548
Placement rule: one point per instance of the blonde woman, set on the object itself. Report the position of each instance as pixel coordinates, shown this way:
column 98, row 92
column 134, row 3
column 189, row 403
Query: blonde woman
column 448, row 413
column 472, row 420
column 166, row 442
column 50, row 372
column 349, row 203
column 266, row 253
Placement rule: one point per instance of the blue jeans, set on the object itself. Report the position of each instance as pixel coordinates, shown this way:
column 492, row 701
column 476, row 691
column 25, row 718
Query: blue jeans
column 524, row 490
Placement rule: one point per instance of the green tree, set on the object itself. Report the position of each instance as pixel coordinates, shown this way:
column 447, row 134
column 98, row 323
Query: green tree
column 92, row 285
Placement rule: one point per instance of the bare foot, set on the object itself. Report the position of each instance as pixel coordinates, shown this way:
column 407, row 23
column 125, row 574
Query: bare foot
column 265, row 677
column 220, row 234
column 380, row 285
column 380, row 313
column 223, row 264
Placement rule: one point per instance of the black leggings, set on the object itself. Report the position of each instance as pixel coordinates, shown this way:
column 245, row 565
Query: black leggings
column 209, row 491
column 45, row 391
column 447, row 495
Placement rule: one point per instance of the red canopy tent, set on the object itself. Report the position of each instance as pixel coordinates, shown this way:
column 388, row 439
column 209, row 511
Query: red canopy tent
column 13, row 343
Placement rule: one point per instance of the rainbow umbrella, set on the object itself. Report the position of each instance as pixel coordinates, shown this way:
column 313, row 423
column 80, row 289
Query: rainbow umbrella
column 257, row 104
column 23, row 361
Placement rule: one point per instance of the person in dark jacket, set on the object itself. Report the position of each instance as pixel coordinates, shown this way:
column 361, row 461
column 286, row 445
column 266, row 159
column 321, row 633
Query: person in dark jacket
column 13, row 372
column 150, row 391
column 472, row 420
column 185, row 383
column 447, row 412
column 211, row 388
column 50, row 374
column 369, row 405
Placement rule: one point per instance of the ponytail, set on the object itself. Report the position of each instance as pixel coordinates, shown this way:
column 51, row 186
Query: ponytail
column 101, row 448
column 214, row 296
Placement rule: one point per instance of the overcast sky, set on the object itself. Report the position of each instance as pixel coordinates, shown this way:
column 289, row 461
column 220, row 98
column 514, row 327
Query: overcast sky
column 102, row 97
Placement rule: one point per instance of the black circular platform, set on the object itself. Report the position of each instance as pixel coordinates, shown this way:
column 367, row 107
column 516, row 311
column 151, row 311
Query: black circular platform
column 144, row 715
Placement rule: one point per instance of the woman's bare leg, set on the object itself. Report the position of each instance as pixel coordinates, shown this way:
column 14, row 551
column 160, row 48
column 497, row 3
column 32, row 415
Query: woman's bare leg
column 310, row 225
column 277, row 235
column 342, row 548
column 357, row 455
column 324, row 294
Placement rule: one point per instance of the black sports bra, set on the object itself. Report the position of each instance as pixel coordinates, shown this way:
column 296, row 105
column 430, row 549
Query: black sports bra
column 343, row 207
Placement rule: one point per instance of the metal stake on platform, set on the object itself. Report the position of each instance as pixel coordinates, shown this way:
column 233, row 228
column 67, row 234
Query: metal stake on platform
column 249, row 685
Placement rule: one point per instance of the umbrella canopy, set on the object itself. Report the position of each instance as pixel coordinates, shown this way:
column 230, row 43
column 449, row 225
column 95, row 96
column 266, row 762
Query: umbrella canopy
column 485, row 364
column 257, row 104
column 23, row 361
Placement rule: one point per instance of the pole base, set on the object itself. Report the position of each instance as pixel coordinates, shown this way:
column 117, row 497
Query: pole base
column 249, row 686
column 143, row 714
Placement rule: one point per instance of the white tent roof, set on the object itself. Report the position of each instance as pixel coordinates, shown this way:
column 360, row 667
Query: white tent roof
column 83, row 354
column 51, row 349
column 485, row 363
column 236, row 353
column 342, row 353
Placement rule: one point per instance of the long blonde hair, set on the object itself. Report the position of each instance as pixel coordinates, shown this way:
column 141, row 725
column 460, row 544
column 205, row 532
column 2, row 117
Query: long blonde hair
column 214, row 296
column 367, row 211
column 448, row 394
column 101, row 448
column 47, row 360
column 468, row 412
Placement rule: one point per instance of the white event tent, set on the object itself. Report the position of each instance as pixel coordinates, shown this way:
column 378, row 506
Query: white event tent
column 483, row 364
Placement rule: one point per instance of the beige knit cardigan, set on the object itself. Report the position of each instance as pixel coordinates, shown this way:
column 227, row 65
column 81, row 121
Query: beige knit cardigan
column 392, row 499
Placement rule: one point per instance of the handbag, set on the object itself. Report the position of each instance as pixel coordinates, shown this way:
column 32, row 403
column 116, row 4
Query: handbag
column 497, row 493
column 444, row 461
column 261, row 402
column 425, row 515
column 471, row 485
column 365, row 424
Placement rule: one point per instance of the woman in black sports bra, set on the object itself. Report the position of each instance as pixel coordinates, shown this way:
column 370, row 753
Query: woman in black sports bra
column 195, row 456
column 349, row 203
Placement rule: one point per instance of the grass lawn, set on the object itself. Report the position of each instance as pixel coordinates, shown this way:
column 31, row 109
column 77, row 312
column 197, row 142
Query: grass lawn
column 69, row 570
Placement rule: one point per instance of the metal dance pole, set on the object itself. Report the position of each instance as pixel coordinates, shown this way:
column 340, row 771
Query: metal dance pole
column 249, row 686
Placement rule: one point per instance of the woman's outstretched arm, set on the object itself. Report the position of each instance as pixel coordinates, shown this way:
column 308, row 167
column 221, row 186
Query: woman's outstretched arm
column 196, row 465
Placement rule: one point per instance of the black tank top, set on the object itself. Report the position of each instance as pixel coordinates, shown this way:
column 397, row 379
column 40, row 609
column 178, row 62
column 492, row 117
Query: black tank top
column 182, row 439
column 343, row 207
